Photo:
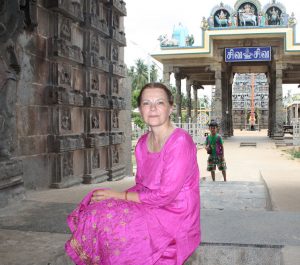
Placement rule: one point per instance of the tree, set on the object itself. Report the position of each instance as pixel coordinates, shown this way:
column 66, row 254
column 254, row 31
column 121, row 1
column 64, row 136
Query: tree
column 140, row 75
column 153, row 73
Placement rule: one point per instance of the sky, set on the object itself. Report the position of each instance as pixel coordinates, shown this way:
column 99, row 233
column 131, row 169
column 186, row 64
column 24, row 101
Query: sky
column 146, row 20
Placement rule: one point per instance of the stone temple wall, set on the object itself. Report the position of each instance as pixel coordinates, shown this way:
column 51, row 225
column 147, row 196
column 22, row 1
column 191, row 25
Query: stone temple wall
column 65, row 101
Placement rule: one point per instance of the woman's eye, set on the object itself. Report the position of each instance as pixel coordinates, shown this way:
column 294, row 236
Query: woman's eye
column 160, row 102
column 146, row 103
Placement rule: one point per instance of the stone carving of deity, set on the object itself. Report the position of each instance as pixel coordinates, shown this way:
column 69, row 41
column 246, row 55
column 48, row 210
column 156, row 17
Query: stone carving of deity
column 94, row 82
column 66, row 119
column 222, row 15
column 67, row 164
column 94, row 8
column 65, row 29
column 248, row 9
column 64, row 76
column 115, row 155
column 115, row 120
column 292, row 20
column 95, row 159
column 95, row 120
column 115, row 86
column 9, row 69
column 95, row 44
column 115, row 53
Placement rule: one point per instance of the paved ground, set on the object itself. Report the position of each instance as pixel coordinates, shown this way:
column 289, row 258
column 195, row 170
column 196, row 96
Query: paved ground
column 260, row 178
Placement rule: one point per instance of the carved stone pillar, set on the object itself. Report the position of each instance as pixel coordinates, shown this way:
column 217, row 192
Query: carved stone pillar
column 189, row 99
column 279, row 115
column 217, row 111
column 178, row 96
column 11, row 168
column 226, row 122
column 166, row 75
column 271, row 78
column 195, row 92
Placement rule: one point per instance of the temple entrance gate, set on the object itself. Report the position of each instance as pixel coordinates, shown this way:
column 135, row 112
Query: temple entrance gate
column 261, row 40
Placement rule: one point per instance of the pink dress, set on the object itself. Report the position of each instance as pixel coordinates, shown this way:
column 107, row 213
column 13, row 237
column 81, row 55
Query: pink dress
column 163, row 229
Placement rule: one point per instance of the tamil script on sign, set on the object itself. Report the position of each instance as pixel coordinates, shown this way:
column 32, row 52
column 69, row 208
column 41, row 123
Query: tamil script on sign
column 243, row 54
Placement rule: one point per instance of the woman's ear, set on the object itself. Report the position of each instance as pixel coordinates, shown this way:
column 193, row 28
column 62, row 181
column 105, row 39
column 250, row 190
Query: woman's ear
column 171, row 110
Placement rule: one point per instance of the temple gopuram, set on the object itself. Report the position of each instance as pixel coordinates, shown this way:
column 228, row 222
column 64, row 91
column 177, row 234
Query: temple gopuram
column 248, row 53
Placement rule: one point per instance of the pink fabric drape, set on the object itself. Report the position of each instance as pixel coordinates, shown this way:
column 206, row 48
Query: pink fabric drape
column 163, row 229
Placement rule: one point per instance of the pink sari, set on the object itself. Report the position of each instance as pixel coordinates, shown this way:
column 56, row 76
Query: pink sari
column 163, row 229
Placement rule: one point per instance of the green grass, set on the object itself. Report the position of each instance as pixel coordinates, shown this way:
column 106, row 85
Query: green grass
column 294, row 153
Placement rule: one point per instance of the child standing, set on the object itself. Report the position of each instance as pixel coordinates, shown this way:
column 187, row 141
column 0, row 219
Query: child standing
column 215, row 149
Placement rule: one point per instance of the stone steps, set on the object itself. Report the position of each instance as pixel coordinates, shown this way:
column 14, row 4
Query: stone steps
column 231, row 254
column 251, row 144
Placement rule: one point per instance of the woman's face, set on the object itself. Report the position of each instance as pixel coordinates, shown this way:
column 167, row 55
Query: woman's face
column 155, row 107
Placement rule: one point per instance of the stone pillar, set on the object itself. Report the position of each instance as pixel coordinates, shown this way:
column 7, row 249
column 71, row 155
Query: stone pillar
column 271, row 104
column 166, row 75
column 217, row 111
column 279, row 117
column 178, row 96
column 11, row 168
column 189, row 99
column 195, row 92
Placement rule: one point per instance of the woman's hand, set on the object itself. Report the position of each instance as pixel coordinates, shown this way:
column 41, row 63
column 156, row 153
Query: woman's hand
column 100, row 195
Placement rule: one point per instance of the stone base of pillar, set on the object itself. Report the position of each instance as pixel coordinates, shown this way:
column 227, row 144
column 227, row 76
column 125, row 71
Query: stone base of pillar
column 67, row 182
column 278, row 136
column 117, row 173
column 96, row 177
column 11, row 182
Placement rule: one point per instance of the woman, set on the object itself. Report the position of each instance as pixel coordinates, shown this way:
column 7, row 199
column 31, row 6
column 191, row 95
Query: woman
column 158, row 220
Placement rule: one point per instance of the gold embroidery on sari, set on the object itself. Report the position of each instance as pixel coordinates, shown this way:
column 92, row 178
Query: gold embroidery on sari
column 106, row 229
column 79, row 251
column 109, row 215
column 123, row 223
column 117, row 252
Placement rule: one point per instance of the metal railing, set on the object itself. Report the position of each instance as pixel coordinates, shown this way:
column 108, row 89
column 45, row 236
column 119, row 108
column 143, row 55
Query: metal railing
column 296, row 133
column 198, row 131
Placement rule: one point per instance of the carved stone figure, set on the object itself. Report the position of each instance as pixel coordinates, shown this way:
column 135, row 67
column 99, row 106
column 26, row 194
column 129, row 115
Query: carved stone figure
column 274, row 17
column 94, row 82
column 221, row 19
column 67, row 164
column 292, row 20
column 190, row 40
column 115, row 120
column 95, row 159
column 165, row 41
column 115, row 86
column 9, row 68
column 65, row 29
column 66, row 120
column 95, row 44
column 95, row 120
column 204, row 24
column 115, row 155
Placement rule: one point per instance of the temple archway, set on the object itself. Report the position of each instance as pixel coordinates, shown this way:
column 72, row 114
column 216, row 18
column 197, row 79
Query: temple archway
column 248, row 38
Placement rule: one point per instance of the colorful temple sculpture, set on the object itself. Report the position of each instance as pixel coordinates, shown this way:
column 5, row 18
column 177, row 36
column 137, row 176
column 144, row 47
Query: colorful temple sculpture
column 248, row 53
